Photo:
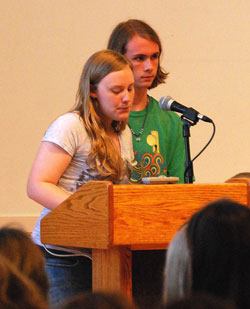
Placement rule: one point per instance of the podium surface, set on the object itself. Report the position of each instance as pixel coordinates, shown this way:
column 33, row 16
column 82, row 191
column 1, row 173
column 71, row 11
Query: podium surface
column 115, row 219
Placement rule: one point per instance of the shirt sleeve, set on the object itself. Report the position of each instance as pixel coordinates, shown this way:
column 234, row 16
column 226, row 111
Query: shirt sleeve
column 65, row 132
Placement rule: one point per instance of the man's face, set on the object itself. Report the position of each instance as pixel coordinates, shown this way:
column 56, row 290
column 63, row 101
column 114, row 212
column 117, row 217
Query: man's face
column 144, row 56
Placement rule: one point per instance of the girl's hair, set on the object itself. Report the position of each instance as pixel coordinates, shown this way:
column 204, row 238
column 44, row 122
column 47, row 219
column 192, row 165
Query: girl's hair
column 125, row 31
column 17, row 246
column 103, row 155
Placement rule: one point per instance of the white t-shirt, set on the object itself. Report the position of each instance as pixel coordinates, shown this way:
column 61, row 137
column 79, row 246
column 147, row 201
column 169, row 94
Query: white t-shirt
column 69, row 133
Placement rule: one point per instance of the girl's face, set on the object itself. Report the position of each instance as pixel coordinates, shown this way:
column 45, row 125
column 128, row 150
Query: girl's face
column 115, row 94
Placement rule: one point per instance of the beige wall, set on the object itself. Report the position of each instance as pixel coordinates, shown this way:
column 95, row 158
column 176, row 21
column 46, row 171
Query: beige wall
column 44, row 44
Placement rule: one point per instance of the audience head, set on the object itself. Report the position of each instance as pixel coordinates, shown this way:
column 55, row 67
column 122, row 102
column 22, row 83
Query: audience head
column 178, row 272
column 99, row 300
column 17, row 246
column 17, row 290
column 241, row 175
column 239, row 178
column 215, row 255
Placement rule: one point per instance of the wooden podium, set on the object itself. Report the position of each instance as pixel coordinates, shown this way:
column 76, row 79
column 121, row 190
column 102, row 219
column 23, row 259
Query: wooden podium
column 113, row 220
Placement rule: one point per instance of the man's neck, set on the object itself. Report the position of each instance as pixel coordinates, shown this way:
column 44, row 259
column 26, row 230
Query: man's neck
column 140, row 99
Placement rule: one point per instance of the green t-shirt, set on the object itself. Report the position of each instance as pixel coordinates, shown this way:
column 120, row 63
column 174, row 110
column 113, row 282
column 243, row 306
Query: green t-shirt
column 160, row 149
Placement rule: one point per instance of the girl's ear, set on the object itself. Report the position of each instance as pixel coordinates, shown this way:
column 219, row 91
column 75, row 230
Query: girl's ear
column 93, row 91
column 93, row 95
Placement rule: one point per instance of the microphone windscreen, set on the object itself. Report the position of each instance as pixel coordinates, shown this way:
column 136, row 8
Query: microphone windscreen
column 165, row 103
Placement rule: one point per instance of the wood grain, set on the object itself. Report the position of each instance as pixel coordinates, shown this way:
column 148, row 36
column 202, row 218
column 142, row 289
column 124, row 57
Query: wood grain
column 101, row 215
column 83, row 220
column 112, row 270
column 152, row 214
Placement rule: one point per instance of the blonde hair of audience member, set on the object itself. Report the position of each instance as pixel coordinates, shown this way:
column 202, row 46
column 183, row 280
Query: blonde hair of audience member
column 96, row 68
column 177, row 272
column 216, row 248
column 16, row 245
column 17, row 290
column 99, row 300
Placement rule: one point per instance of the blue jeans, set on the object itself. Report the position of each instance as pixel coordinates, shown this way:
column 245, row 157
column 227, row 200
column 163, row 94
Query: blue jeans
column 68, row 277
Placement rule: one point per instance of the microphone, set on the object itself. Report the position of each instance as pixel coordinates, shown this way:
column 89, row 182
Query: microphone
column 168, row 104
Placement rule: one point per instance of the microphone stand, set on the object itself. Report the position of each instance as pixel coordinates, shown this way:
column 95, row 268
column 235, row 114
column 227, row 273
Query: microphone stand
column 189, row 172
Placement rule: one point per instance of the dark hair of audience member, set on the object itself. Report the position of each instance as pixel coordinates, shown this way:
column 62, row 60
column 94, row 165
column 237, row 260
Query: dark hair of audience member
column 216, row 256
column 17, row 246
column 17, row 290
column 99, row 300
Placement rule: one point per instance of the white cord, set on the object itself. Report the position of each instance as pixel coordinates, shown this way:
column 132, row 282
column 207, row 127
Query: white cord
column 67, row 255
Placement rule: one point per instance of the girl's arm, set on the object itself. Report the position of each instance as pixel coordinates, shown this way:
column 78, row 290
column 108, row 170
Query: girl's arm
column 49, row 165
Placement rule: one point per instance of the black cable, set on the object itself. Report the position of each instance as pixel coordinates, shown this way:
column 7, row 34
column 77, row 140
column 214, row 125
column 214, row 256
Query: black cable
column 210, row 140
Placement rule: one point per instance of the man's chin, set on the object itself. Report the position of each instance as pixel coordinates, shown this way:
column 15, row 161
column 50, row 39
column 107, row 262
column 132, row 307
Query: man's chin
column 144, row 85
